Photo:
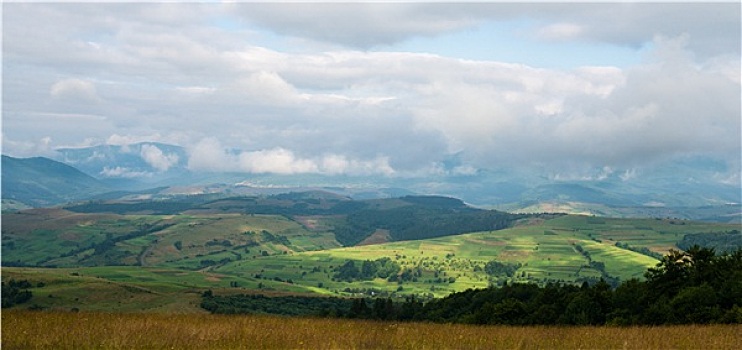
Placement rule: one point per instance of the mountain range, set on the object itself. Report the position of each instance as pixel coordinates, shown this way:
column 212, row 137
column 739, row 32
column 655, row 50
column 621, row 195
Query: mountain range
column 157, row 169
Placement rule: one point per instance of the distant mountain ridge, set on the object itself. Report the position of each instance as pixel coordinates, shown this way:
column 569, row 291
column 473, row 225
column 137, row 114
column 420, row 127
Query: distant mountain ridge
column 144, row 161
column 42, row 182
column 689, row 182
column 686, row 181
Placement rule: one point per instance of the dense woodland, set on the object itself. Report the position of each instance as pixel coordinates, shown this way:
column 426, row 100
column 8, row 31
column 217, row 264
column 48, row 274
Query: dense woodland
column 727, row 241
column 421, row 222
column 692, row 287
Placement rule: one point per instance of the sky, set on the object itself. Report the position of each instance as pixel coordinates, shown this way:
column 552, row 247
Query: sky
column 387, row 89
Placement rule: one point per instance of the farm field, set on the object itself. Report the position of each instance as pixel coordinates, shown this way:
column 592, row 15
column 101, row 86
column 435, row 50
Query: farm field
column 129, row 288
column 83, row 330
column 173, row 258
column 564, row 249
column 55, row 237
column 113, row 289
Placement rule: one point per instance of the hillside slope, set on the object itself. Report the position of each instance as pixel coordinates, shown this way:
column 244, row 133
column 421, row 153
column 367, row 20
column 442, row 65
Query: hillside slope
column 352, row 221
column 40, row 182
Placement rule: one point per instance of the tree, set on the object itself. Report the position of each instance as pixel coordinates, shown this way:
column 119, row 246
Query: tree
column 358, row 309
column 379, row 311
column 670, row 274
column 347, row 272
column 583, row 310
column 510, row 311
column 629, row 301
column 368, row 269
column 695, row 305
column 15, row 292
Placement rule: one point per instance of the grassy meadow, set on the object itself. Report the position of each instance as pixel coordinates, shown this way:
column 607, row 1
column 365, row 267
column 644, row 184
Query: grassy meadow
column 61, row 238
column 546, row 250
column 244, row 260
column 66, row 330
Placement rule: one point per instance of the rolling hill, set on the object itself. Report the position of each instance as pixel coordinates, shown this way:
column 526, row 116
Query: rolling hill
column 201, row 231
column 293, row 243
column 39, row 182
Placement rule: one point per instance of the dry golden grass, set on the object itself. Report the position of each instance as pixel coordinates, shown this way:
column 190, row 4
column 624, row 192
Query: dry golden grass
column 62, row 330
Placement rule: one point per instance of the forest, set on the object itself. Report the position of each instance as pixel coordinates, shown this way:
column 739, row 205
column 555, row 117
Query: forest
column 697, row 286
column 421, row 220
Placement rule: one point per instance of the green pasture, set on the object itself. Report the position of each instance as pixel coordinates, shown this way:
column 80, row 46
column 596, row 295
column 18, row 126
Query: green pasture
column 110, row 289
column 43, row 236
column 189, row 253
column 65, row 239
column 546, row 252
column 658, row 235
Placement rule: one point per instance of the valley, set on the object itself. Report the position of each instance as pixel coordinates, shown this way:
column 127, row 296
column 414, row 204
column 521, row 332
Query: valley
column 160, row 255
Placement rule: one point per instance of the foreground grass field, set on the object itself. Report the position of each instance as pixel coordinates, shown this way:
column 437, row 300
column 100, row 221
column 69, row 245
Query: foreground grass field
column 65, row 330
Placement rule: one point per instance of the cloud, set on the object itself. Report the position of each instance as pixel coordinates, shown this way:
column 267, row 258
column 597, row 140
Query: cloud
column 27, row 148
column 277, row 160
column 560, row 31
column 371, row 25
column 123, row 140
column 324, row 92
column 210, row 155
column 157, row 159
column 196, row 90
column 360, row 25
column 123, row 172
column 75, row 89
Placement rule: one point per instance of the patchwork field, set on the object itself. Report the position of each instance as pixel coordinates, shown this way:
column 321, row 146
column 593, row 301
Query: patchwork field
column 163, row 262
column 545, row 252
column 55, row 237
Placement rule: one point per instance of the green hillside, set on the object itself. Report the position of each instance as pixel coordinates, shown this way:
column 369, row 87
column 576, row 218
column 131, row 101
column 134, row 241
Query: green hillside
column 199, row 232
column 351, row 221
column 40, row 182
column 290, row 244
column 565, row 249
column 60, row 238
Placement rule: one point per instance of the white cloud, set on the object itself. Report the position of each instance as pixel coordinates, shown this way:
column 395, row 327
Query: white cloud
column 27, row 148
column 338, row 110
column 210, row 155
column 196, row 90
column 561, row 31
column 277, row 160
column 628, row 174
column 124, row 140
column 334, row 164
column 75, row 89
column 265, row 88
column 123, row 172
column 157, row 159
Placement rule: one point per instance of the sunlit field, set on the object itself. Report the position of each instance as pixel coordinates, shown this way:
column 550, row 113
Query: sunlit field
column 67, row 330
